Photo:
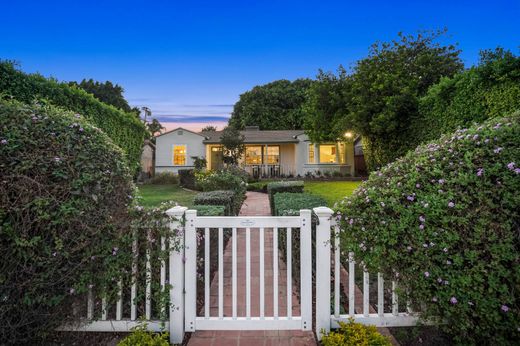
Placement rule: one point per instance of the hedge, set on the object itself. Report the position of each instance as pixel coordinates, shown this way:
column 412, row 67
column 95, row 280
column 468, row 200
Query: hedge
column 224, row 198
column 290, row 203
column 125, row 129
column 210, row 210
column 444, row 221
column 282, row 186
column 65, row 189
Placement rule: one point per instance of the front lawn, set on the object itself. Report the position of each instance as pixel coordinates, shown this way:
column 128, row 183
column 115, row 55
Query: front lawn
column 332, row 191
column 153, row 195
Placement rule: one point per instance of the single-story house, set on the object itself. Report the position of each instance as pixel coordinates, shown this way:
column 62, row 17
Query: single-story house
column 267, row 153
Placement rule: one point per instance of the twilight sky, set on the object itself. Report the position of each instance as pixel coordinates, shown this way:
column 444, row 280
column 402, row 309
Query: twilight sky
column 190, row 60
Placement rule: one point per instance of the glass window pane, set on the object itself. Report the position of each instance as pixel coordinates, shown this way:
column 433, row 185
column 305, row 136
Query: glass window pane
column 179, row 155
column 311, row 153
column 253, row 155
column 342, row 157
column 272, row 154
column 328, row 153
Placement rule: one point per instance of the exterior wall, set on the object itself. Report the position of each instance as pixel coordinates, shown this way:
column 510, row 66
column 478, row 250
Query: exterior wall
column 164, row 150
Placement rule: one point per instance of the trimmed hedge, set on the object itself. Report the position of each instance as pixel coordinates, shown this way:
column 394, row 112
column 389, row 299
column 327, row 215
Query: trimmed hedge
column 210, row 210
column 290, row 203
column 224, row 198
column 444, row 222
column 187, row 179
column 65, row 188
column 282, row 186
column 125, row 129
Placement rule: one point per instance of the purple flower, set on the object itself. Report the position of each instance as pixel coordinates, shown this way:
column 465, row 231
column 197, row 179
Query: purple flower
column 448, row 262
column 470, row 303
column 418, row 185
column 505, row 308
column 351, row 221
column 3, row 141
column 441, row 181
column 445, row 250
column 72, row 291
column 517, row 170
column 427, row 274
column 497, row 150
column 114, row 251
column 511, row 166
column 434, row 299
column 480, row 171
column 410, row 198
column 382, row 204
column 439, row 280
column 421, row 226
column 475, row 137
column 421, row 218
column 57, row 159
column 453, row 300
column 451, row 204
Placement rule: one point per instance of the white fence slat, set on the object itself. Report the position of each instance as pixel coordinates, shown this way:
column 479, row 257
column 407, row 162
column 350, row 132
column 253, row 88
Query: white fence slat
column 289, row 272
column 275, row 272
column 190, row 274
column 380, row 295
column 163, row 271
column 395, row 306
column 306, row 274
column 351, row 283
column 262, row 272
column 148, row 292
column 206, row 271
column 234, row 271
column 119, row 304
column 220, row 272
column 104, row 309
column 133, row 287
column 90, row 304
column 248, row 272
column 337, row 266
column 366, row 293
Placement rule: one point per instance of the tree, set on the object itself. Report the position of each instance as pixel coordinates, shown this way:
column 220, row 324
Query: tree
column 233, row 145
column 154, row 126
column 209, row 128
column 273, row 106
column 106, row 92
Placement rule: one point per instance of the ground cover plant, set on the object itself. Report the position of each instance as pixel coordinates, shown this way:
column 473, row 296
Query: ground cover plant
column 65, row 188
column 152, row 195
column 444, row 221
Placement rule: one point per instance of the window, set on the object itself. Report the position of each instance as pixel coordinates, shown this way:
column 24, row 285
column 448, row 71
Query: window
column 253, row 155
column 311, row 153
column 179, row 155
column 327, row 153
column 341, row 152
column 272, row 155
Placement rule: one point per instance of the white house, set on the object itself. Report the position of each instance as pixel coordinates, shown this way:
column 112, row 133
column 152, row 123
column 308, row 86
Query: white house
column 268, row 153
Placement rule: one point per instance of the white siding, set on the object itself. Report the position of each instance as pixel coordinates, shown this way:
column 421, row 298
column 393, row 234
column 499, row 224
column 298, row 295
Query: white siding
column 164, row 149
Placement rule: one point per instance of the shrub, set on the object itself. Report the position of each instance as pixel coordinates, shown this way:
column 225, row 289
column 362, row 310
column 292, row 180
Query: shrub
column 210, row 210
column 187, row 179
column 354, row 334
column 64, row 191
column 224, row 198
column 282, row 186
column 444, row 222
column 226, row 179
column 164, row 178
column 290, row 203
column 142, row 337
column 125, row 129
column 260, row 186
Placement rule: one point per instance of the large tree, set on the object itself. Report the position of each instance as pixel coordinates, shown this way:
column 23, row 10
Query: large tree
column 273, row 106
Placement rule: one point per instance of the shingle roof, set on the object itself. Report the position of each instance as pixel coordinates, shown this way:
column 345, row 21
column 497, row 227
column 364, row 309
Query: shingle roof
column 257, row 136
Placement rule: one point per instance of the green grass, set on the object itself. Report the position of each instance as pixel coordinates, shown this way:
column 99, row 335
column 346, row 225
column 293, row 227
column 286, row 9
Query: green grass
column 153, row 195
column 332, row 191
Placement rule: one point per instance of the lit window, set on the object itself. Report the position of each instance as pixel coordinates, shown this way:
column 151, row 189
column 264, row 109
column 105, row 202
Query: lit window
column 327, row 153
column 272, row 155
column 341, row 152
column 253, row 155
column 179, row 155
column 311, row 153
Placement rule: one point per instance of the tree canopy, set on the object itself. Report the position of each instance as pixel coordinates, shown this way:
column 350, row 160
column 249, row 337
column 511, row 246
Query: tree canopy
column 273, row 106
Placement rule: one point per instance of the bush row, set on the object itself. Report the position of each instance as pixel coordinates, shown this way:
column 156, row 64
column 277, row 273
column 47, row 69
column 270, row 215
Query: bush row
column 290, row 203
column 187, row 179
column 125, row 129
column 282, row 186
column 224, row 198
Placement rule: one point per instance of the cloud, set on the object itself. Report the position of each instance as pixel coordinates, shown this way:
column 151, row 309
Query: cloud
column 185, row 118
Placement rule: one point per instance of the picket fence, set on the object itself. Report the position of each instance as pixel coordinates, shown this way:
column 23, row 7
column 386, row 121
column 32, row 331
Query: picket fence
column 182, row 275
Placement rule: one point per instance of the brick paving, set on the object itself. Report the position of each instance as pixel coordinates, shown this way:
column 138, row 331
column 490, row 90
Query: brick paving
column 256, row 204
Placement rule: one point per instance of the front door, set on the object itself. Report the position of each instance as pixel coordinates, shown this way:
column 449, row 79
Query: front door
column 216, row 158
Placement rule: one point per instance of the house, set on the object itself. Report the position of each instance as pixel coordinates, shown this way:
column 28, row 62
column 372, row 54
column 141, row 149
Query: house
column 267, row 153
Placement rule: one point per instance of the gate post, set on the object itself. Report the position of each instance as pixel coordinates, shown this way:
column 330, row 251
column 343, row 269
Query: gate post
column 190, row 272
column 176, row 278
column 323, row 230
column 305, row 264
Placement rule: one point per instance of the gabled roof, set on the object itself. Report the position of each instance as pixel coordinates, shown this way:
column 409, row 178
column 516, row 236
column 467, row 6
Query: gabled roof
column 257, row 136
column 183, row 129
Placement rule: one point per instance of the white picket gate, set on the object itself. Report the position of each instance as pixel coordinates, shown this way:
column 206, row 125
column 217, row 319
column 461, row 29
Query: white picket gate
column 182, row 275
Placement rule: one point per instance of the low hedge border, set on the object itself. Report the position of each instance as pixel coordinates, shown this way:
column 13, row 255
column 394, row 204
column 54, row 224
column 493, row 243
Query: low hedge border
column 225, row 198
column 210, row 210
column 282, row 186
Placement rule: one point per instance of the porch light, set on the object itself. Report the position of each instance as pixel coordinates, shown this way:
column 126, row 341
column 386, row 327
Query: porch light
column 348, row 134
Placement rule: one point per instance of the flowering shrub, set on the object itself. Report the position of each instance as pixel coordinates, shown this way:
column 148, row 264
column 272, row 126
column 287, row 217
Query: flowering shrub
column 64, row 192
column 355, row 334
column 444, row 222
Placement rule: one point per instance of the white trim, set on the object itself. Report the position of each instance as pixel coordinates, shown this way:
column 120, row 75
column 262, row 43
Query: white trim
column 115, row 326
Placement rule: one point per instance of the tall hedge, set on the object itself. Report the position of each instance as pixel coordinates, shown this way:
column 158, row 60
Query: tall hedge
column 65, row 188
column 490, row 89
column 444, row 222
column 124, row 129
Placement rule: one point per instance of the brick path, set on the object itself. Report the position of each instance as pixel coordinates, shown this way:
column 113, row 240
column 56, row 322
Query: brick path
column 255, row 204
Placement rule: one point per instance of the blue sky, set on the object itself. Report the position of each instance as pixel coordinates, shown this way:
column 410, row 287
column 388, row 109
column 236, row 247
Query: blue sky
column 190, row 60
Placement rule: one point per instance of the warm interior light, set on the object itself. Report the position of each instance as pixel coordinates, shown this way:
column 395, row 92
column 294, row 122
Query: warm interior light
column 348, row 134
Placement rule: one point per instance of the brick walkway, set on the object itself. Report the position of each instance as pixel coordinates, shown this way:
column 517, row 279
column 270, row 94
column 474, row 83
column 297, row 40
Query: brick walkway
column 256, row 204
